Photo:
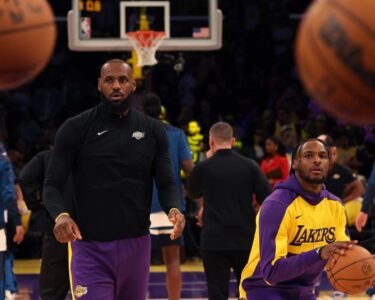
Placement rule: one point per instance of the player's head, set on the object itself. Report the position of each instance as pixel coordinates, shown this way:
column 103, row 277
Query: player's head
column 221, row 136
column 310, row 161
column 274, row 145
column 151, row 105
column 331, row 147
column 116, row 83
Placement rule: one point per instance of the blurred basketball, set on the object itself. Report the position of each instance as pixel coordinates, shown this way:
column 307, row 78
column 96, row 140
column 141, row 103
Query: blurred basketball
column 352, row 273
column 335, row 55
column 27, row 40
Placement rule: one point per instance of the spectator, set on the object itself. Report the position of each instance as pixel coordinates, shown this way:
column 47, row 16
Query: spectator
column 275, row 166
column 341, row 181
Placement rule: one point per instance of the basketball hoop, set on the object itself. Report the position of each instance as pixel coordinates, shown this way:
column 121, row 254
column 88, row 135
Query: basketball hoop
column 145, row 44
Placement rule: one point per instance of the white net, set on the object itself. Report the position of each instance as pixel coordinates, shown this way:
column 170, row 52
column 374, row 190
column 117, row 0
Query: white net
column 145, row 44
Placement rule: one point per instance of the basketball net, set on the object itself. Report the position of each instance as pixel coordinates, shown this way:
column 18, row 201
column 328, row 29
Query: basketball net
column 145, row 44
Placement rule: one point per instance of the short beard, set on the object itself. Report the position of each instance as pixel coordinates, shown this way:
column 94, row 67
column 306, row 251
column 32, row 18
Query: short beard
column 312, row 180
column 115, row 107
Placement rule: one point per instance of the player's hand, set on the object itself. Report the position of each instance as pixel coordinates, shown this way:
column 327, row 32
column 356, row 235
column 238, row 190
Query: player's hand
column 199, row 217
column 66, row 230
column 339, row 248
column 361, row 221
column 178, row 221
column 20, row 234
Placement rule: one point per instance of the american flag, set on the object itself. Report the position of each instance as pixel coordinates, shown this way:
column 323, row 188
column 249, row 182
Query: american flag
column 201, row 32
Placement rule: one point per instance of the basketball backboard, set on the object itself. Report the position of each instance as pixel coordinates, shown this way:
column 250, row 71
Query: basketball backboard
column 102, row 25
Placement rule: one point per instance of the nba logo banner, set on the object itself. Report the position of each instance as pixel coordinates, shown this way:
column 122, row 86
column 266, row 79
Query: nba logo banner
column 201, row 32
column 85, row 32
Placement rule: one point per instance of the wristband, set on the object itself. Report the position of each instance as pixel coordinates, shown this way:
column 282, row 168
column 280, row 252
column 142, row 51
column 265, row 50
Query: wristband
column 174, row 209
column 60, row 215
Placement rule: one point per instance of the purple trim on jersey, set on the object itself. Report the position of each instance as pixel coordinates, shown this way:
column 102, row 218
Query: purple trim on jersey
column 292, row 185
column 111, row 270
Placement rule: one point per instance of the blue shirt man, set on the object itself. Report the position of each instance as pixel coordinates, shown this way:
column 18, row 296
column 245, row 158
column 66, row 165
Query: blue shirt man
column 179, row 151
column 181, row 158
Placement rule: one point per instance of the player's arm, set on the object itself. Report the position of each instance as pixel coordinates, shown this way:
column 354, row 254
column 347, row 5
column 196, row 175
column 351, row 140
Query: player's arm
column 273, row 237
column 260, row 183
column 59, row 167
column 31, row 180
column 162, row 172
column 168, row 191
column 185, row 154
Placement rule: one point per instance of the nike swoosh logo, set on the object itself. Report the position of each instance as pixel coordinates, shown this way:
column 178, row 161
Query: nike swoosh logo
column 102, row 132
column 298, row 216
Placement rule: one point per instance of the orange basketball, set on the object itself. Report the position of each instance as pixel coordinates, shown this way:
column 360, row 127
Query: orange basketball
column 335, row 55
column 27, row 40
column 352, row 273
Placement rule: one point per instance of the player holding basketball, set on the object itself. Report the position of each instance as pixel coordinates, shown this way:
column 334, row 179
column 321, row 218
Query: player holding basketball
column 113, row 153
column 299, row 227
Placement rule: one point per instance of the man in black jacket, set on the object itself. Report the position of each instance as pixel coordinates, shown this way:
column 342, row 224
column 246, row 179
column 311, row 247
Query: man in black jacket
column 113, row 152
column 227, row 181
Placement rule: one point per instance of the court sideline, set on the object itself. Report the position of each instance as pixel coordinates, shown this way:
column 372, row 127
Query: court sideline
column 193, row 282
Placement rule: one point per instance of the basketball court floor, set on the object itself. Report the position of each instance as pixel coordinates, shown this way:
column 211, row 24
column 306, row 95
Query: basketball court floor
column 193, row 282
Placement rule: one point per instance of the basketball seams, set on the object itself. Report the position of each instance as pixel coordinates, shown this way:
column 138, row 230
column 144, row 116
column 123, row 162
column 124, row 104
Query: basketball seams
column 353, row 279
column 18, row 70
column 353, row 17
column 353, row 263
column 27, row 44
column 324, row 63
column 337, row 283
column 25, row 29
column 343, row 289
column 305, row 67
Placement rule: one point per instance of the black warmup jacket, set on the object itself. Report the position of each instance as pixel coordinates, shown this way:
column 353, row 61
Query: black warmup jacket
column 227, row 181
column 113, row 160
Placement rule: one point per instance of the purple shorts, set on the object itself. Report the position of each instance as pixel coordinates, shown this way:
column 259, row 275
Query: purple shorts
column 110, row 270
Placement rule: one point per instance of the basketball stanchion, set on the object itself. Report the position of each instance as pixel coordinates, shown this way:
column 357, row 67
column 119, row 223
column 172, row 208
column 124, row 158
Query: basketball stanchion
column 145, row 44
